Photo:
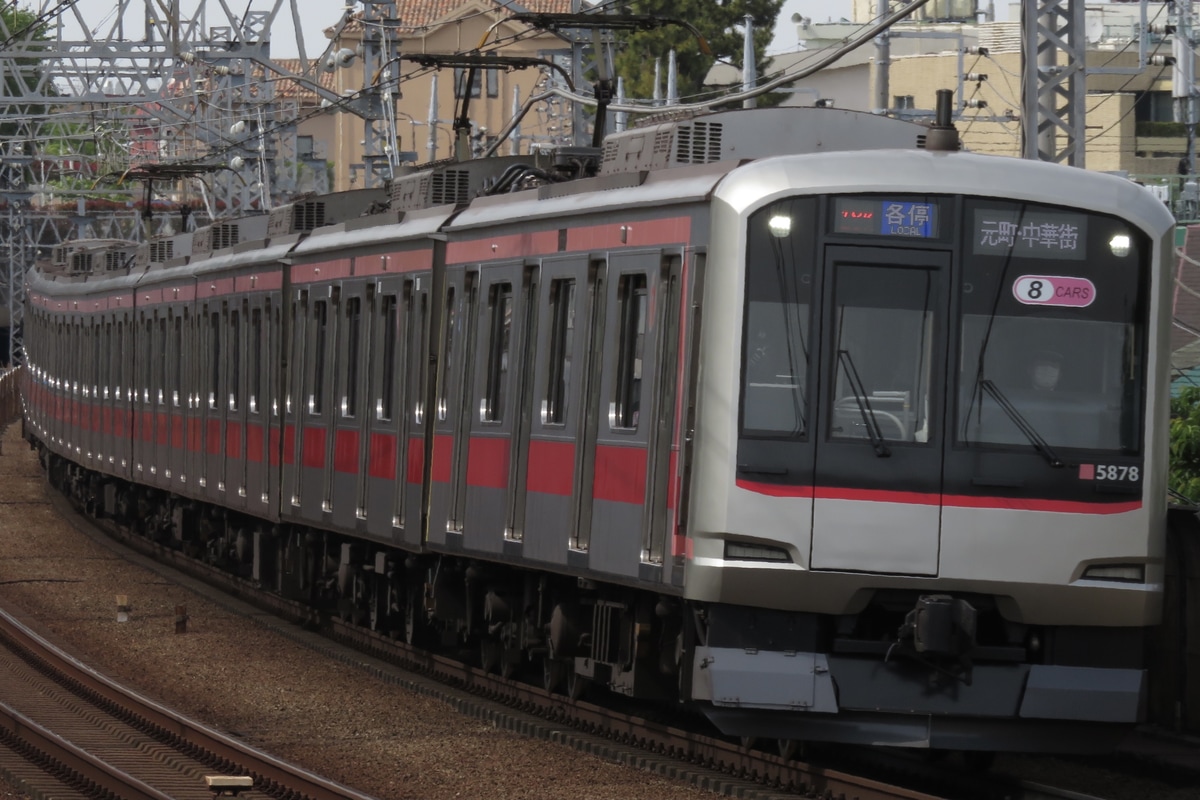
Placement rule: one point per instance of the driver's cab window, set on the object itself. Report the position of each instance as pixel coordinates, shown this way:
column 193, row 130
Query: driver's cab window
column 883, row 354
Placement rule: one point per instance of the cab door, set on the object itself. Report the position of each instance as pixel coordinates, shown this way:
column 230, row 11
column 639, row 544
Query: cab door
column 878, row 469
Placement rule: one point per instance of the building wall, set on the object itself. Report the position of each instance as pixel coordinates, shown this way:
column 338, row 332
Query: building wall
column 460, row 32
column 1112, row 140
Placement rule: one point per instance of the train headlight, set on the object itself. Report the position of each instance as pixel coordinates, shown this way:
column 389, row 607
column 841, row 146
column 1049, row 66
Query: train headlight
column 740, row 551
column 1119, row 245
column 1126, row 573
column 780, row 225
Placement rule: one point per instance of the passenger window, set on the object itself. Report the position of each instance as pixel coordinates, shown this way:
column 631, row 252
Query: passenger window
column 631, row 333
column 235, row 359
column 500, row 302
column 350, row 385
column 562, row 339
column 214, row 372
column 255, row 352
column 316, row 401
column 391, row 332
column 448, row 355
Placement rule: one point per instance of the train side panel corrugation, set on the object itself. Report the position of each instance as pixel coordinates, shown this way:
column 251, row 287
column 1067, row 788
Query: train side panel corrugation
column 355, row 461
column 595, row 490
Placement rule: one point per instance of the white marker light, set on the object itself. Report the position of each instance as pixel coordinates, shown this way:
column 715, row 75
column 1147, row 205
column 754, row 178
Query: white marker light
column 1120, row 245
column 779, row 226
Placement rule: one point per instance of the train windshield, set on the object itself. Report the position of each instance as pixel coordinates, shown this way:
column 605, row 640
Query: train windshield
column 1051, row 340
column 993, row 323
column 778, row 308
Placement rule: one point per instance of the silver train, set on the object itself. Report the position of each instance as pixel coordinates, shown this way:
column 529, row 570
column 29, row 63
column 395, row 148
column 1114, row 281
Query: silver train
column 899, row 479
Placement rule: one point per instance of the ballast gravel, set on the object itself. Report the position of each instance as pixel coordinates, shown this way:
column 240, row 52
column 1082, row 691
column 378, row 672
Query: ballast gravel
column 240, row 677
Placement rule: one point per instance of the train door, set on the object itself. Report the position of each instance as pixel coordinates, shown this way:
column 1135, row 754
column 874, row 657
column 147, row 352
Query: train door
column 212, row 479
column 143, row 445
column 384, row 421
column 252, row 467
column 553, row 478
column 176, row 395
column 272, row 401
column 626, row 426
column 878, row 466
column 315, row 415
column 344, row 476
column 502, row 316
column 453, row 404
column 160, row 464
column 411, row 506
column 233, row 465
column 293, row 405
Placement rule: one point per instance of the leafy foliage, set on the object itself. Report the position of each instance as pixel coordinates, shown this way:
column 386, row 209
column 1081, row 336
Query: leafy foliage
column 719, row 21
column 1185, row 443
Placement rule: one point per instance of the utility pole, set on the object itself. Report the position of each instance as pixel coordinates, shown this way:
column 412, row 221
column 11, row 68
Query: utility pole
column 1054, row 80
column 883, row 60
column 1183, row 79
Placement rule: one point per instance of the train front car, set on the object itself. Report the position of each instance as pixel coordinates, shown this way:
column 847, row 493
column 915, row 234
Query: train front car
column 930, row 457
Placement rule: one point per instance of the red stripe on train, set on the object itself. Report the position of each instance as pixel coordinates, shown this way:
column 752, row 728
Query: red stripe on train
column 933, row 499
column 233, row 440
column 213, row 439
column 551, row 467
column 487, row 462
column 381, row 461
column 312, row 448
column 345, row 451
column 416, row 459
column 254, row 443
column 620, row 474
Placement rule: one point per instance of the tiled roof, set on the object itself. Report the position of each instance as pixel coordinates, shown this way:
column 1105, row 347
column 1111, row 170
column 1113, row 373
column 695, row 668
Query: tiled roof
column 420, row 14
column 299, row 91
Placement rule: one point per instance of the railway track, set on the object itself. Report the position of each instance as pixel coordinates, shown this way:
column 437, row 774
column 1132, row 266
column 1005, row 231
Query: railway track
column 82, row 735
column 724, row 767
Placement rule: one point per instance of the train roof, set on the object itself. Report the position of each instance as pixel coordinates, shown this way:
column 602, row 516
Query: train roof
column 925, row 172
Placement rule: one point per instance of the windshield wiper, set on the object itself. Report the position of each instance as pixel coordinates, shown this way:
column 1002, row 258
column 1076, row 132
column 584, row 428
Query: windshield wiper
column 1035, row 438
column 874, row 432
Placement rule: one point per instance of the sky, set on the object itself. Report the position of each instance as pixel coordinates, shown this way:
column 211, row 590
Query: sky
column 316, row 15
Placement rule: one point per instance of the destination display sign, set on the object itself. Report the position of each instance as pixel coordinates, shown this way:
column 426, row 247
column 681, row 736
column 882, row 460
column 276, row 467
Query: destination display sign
column 1059, row 236
column 872, row 217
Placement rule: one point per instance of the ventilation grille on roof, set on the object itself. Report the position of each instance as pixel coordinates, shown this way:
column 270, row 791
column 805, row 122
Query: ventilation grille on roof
column 451, row 186
column 698, row 143
column 224, row 235
column 162, row 251
column 114, row 260
column 308, row 216
column 81, row 263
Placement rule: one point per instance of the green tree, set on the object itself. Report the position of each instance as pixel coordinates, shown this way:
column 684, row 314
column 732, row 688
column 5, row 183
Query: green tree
column 1185, row 443
column 719, row 22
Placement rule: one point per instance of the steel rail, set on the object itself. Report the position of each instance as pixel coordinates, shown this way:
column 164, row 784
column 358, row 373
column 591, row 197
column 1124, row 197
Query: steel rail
column 271, row 775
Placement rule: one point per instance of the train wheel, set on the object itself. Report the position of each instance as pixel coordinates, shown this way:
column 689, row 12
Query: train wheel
column 489, row 654
column 577, row 685
column 554, row 673
column 510, row 662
